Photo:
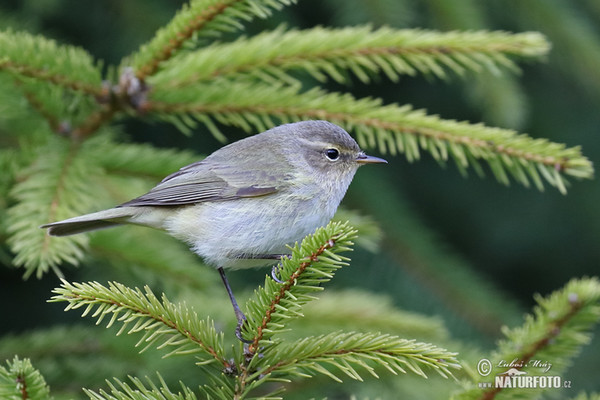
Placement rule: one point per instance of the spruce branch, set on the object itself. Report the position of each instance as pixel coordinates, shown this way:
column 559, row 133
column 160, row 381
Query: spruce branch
column 163, row 323
column 19, row 380
column 61, row 108
column 345, row 351
column 27, row 56
column 363, row 51
column 311, row 264
column 559, row 327
column 391, row 128
column 122, row 391
column 37, row 104
column 128, row 94
column 94, row 121
column 58, row 184
column 199, row 18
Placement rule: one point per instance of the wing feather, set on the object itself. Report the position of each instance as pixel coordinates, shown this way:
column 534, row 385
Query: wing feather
column 201, row 182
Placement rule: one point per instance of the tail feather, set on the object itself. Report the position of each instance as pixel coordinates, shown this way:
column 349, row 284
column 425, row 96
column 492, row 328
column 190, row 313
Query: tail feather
column 90, row 222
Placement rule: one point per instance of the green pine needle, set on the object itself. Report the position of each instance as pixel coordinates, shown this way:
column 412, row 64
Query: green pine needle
column 346, row 351
column 20, row 380
column 27, row 56
column 362, row 51
column 163, row 323
column 311, row 264
column 198, row 19
column 138, row 390
column 391, row 128
column 561, row 324
column 59, row 184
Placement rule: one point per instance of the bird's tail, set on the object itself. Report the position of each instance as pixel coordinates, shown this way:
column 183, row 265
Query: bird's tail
column 89, row 222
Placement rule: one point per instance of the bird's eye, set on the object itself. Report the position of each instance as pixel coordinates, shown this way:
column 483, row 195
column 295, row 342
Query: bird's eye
column 332, row 154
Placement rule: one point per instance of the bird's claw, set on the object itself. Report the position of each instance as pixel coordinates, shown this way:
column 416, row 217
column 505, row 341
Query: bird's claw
column 274, row 272
column 238, row 330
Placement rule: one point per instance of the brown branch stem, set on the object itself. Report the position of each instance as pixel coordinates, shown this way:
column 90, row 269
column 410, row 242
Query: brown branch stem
column 285, row 287
column 44, row 75
column 553, row 331
column 298, row 59
column 181, row 37
column 37, row 105
column 23, row 383
column 291, row 281
column 94, row 121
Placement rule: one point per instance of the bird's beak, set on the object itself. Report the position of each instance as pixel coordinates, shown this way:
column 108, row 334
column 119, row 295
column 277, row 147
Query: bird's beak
column 365, row 159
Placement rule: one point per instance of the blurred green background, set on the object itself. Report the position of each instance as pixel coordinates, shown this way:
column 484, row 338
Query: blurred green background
column 446, row 238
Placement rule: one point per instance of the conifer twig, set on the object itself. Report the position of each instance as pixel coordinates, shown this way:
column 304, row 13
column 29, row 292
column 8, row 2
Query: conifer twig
column 151, row 316
column 180, row 37
column 29, row 56
column 554, row 333
column 390, row 127
column 37, row 105
column 49, row 76
column 312, row 263
column 553, row 330
column 363, row 51
column 56, row 182
column 285, row 287
column 20, row 380
column 94, row 121
column 193, row 18
column 394, row 353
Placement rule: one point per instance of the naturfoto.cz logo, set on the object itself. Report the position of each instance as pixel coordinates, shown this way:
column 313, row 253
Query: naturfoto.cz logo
column 515, row 377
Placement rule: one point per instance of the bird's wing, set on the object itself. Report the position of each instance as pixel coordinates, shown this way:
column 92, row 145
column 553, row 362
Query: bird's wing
column 200, row 182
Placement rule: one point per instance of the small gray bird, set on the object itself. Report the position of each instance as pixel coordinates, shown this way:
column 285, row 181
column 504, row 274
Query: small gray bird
column 243, row 204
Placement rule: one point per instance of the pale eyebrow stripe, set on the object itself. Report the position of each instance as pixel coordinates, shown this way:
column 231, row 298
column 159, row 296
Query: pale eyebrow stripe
column 316, row 145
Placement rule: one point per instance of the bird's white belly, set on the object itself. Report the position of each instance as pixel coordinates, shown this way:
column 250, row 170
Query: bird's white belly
column 224, row 233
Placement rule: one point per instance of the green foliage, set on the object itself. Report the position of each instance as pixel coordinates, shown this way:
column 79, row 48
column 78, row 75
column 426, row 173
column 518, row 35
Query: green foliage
column 56, row 80
column 122, row 391
column 27, row 56
column 20, row 380
column 343, row 351
column 198, row 19
column 64, row 153
column 389, row 127
column 59, row 181
column 555, row 333
column 311, row 264
column 364, row 52
column 164, row 323
column 251, row 83
column 268, row 358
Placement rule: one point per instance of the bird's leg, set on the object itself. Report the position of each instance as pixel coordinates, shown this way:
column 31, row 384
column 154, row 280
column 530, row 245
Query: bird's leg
column 239, row 315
